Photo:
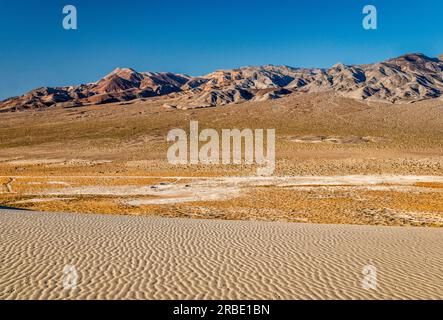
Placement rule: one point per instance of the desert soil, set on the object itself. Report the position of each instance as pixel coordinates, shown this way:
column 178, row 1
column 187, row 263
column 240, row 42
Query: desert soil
column 344, row 161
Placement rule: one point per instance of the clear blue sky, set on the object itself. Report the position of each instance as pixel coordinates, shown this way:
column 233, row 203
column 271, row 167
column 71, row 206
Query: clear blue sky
column 196, row 37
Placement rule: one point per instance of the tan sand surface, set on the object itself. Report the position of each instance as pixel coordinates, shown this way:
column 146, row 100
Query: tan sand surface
column 128, row 257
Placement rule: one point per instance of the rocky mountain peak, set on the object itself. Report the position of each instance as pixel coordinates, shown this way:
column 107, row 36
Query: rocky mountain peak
column 407, row 78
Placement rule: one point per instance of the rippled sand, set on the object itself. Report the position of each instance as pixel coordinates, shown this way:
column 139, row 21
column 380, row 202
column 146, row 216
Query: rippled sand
column 123, row 257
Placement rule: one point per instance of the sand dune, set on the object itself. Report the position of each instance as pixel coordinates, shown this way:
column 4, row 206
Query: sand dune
column 120, row 257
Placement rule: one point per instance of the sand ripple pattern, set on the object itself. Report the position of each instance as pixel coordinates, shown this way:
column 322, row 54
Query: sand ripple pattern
column 126, row 257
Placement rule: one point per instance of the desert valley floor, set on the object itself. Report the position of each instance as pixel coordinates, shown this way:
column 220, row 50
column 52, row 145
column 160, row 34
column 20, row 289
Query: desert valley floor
column 338, row 160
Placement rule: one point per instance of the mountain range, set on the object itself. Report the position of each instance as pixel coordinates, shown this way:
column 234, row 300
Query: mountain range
column 405, row 79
